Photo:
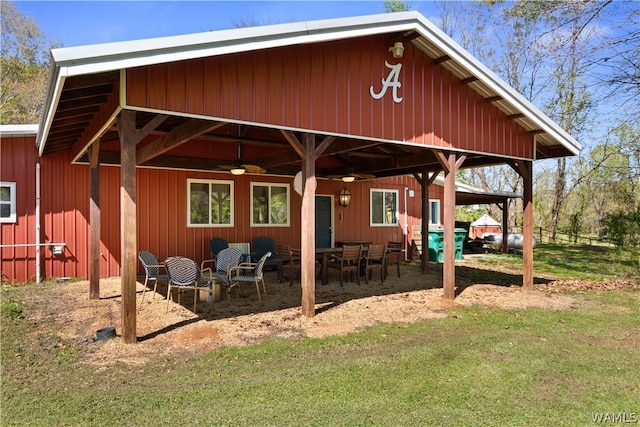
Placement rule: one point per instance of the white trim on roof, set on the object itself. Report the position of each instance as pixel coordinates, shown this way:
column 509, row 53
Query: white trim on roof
column 73, row 61
column 114, row 56
column 18, row 130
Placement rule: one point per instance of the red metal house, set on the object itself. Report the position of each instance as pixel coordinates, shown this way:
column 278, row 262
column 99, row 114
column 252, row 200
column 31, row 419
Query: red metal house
column 138, row 136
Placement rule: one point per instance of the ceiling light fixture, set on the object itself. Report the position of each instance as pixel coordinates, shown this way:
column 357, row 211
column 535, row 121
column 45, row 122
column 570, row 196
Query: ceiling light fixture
column 238, row 170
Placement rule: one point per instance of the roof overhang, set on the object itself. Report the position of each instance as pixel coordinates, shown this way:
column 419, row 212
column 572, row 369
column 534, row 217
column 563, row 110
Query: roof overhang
column 551, row 139
column 7, row 131
column 469, row 195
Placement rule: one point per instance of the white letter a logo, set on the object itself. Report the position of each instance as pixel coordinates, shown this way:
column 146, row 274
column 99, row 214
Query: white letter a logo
column 390, row 81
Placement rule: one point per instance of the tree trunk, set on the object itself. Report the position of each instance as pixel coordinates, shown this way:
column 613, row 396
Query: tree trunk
column 558, row 196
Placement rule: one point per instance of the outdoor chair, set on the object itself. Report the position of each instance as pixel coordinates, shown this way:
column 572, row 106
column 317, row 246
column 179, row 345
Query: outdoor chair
column 288, row 263
column 215, row 245
column 249, row 272
column 394, row 255
column 184, row 274
column 152, row 271
column 348, row 262
column 227, row 259
column 375, row 260
column 262, row 245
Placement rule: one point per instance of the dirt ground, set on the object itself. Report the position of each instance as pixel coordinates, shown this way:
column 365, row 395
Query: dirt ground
column 169, row 328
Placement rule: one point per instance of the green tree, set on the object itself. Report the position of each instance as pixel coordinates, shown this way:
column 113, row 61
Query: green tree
column 390, row 6
column 24, row 67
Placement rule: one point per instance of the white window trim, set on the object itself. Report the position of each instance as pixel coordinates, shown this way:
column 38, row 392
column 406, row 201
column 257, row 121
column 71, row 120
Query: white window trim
column 436, row 210
column 397, row 215
column 210, row 181
column 12, row 218
column 271, row 184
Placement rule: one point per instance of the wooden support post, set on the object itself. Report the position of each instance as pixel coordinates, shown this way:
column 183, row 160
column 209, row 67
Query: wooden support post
column 505, row 225
column 449, row 222
column 94, row 221
column 527, row 225
column 128, row 232
column 450, row 163
column 308, row 228
column 425, row 182
column 426, row 215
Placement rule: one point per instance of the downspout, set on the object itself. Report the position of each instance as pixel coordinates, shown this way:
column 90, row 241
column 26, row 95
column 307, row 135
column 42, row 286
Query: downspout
column 406, row 225
column 38, row 223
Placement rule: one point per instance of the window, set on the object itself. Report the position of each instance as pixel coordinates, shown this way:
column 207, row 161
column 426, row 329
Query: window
column 269, row 204
column 210, row 203
column 434, row 212
column 7, row 202
column 384, row 207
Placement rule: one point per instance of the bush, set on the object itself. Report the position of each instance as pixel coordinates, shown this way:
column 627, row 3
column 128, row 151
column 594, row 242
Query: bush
column 622, row 228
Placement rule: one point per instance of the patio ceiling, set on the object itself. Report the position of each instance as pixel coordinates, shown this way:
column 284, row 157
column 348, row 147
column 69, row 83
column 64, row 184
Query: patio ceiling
column 269, row 149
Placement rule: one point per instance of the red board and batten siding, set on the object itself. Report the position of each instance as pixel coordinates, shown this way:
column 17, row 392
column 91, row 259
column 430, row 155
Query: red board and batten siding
column 162, row 213
column 16, row 166
column 325, row 87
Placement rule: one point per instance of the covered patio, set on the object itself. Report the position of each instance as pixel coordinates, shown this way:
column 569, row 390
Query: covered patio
column 327, row 98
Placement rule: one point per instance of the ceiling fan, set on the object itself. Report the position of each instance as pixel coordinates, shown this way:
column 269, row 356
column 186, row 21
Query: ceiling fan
column 238, row 167
column 349, row 175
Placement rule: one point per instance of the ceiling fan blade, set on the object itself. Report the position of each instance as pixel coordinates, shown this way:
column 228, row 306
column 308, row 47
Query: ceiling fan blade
column 364, row 175
column 254, row 169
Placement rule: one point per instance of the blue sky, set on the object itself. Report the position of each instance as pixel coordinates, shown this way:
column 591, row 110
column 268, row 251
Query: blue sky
column 76, row 23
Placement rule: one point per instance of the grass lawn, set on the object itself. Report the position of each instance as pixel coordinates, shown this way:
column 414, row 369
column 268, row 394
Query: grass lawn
column 477, row 366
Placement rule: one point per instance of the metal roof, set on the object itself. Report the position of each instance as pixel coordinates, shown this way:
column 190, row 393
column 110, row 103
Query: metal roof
column 18, row 130
column 470, row 195
column 72, row 108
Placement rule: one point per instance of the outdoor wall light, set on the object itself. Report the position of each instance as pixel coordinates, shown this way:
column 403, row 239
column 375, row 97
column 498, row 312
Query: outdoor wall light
column 56, row 249
column 344, row 198
column 397, row 50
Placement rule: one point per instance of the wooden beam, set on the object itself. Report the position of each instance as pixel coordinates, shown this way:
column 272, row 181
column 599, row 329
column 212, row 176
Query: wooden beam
column 329, row 146
column 178, row 136
column 468, row 80
column 94, row 221
column 527, row 225
column 86, row 92
column 308, row 227
column 77, row 112
column 82, row 102
column 425, row 182
column 294, row 142
column 323, row 146
column 128, row 225
column 89, row 80
column 443, row 160
column 493, row 98
column 151, row 126
column 515, row 116
column 442, row 59
column 449, row 222
column 505, row 225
